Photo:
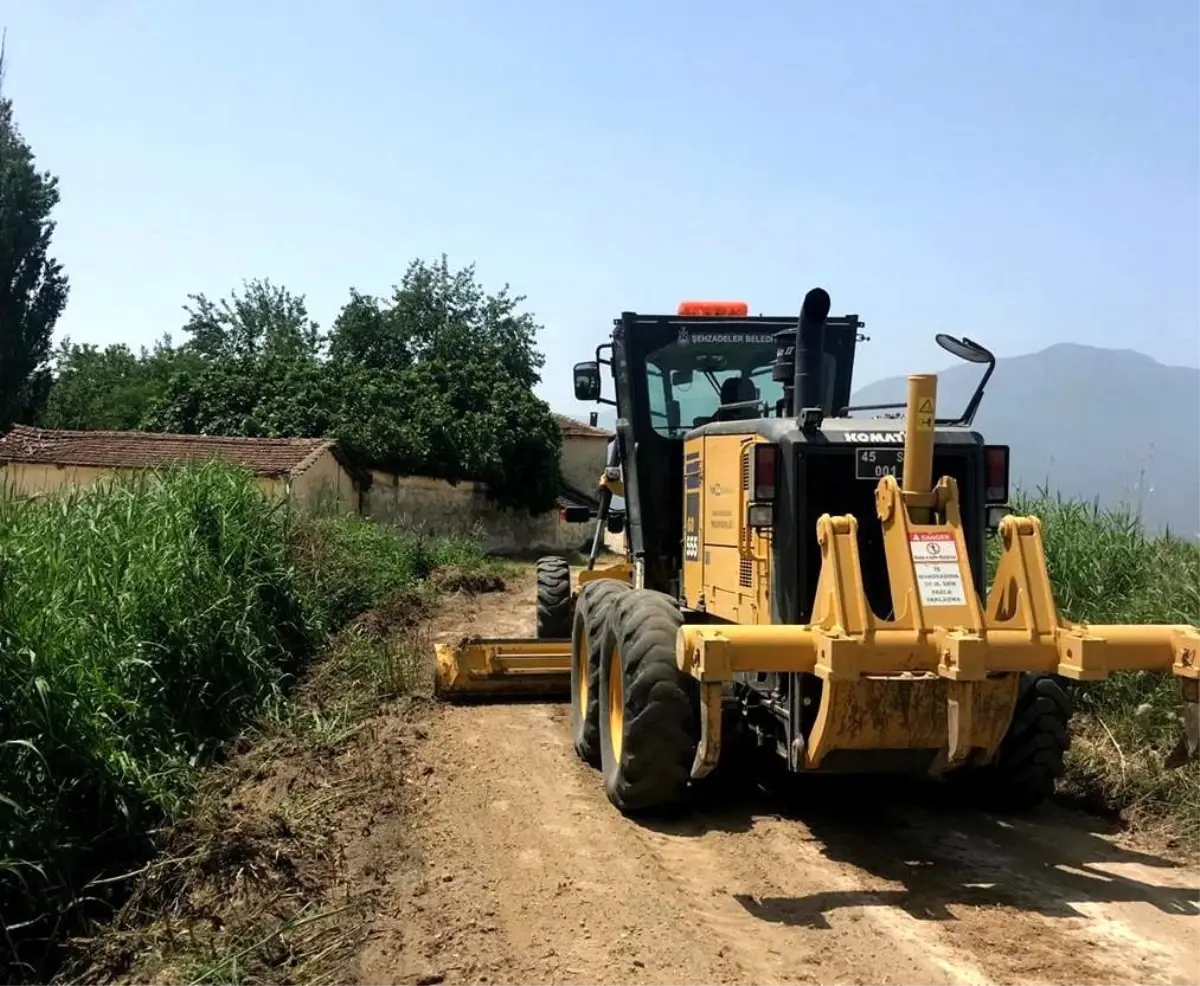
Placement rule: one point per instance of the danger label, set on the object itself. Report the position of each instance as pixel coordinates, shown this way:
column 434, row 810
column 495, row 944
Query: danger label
column 935, row 559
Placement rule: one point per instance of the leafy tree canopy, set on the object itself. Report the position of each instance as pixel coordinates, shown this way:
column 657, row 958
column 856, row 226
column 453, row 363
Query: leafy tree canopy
column 435, row 380
column 33, row 288
column 107, row 389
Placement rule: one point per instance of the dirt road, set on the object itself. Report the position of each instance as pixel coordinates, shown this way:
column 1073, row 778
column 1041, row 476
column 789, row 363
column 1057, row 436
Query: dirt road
column 517, row 870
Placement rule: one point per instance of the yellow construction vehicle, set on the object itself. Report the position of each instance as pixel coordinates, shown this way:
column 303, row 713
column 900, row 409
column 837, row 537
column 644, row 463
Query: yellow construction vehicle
column 805, row 579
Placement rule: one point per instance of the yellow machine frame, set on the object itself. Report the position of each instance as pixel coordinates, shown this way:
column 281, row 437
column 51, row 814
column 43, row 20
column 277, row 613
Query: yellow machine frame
column 943, row 674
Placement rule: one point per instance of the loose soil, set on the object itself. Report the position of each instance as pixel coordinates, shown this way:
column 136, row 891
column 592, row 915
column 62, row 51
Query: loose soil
column 472, row 846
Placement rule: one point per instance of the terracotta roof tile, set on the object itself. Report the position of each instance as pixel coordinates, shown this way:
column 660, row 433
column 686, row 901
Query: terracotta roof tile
column 569, row 426
column 148, row 450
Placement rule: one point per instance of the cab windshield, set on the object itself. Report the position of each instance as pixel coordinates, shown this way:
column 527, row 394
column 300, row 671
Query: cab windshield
column 688, row 379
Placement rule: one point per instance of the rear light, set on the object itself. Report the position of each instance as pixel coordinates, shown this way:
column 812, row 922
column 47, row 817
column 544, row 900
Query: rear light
column 996, row 513
column 995, row 473
column 762, row 477
column 760, row 515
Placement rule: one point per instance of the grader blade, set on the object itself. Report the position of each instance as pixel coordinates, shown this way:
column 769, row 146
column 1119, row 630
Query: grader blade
column 512, row 667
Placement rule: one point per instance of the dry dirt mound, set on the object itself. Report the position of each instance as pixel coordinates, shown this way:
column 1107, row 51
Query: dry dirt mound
column 467, row 844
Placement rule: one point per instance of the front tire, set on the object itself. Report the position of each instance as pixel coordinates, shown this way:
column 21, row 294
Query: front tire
column 649, row 709
column 553, row 598
column 592, row 611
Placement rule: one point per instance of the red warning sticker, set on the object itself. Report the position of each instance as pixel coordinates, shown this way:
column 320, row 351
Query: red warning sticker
column 935, row 559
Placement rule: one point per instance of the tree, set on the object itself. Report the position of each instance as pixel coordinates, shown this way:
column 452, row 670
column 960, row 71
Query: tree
column 437, row 380
column 33, row 287
column 448, row 319
column 97, row 388
column 368, row 333
column 252, row 368
column 266, row 320
column 440, row 383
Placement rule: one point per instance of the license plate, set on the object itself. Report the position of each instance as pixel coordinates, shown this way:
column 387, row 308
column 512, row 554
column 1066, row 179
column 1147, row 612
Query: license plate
column 874, row 463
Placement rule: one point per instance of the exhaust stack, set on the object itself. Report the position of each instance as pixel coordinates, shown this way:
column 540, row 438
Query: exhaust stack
column 810, row 348
column 799, row 354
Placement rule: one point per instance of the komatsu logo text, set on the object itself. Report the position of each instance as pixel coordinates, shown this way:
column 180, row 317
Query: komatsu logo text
column 875, row 436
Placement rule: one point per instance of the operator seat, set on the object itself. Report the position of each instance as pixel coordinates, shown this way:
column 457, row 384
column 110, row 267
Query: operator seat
column 735, row 390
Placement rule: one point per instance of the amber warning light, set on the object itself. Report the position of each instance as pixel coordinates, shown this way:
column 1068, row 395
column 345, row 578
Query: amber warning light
column 727, row 309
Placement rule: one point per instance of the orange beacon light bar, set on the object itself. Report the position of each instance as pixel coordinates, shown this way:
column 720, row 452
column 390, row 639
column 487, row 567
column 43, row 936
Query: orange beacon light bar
column 728, row 309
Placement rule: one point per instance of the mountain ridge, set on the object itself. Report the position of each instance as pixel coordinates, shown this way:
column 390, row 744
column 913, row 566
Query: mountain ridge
column 1113, row 426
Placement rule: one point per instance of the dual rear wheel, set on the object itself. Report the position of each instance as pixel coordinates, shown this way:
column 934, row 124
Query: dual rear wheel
column 633, row 713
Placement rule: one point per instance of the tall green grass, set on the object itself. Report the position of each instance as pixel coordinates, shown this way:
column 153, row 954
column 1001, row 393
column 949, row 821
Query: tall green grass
column 355, row 563
column 1106, row 568
column 142, row 622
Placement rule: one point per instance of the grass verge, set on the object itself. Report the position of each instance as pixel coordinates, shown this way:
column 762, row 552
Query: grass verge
column 143, row 622
column 1106, row 569
column 262, row 882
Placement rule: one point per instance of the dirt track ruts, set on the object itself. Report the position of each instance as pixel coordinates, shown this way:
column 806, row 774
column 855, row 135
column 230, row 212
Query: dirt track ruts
column 516, row 869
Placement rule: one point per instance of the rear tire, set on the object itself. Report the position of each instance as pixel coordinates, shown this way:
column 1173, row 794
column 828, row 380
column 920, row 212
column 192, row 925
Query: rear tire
column 592, row 610
column 1031, row 755
column 553, row 598
column 649, row 709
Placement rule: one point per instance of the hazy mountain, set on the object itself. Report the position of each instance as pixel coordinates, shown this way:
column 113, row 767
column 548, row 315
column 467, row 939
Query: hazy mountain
column 1088, row 423
column 1082, row 421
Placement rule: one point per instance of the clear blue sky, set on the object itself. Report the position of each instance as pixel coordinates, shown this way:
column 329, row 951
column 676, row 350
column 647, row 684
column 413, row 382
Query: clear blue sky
column 1023, row 172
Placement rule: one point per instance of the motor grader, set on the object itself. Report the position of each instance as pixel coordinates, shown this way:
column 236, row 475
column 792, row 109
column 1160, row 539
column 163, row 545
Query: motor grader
column 804, row 579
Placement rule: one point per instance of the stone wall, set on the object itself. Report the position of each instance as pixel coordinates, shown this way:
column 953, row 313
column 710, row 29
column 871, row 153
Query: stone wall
column 441, row 508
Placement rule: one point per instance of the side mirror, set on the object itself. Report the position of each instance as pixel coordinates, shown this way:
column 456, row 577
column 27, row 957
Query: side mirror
column 587, row 381
column 681, row 378
column 964, row 349
column 972, row 352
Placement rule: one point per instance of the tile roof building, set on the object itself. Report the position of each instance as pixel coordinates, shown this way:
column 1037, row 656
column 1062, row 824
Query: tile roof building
column 577, row 429
column 149, row 450
column 40, row 460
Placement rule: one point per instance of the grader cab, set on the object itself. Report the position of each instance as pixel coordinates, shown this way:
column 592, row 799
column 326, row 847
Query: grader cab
column 806, row 579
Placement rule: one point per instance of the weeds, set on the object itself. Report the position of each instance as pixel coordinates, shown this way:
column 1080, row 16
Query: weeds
column 356, row 563
column 1106, row 569
column 142, row 623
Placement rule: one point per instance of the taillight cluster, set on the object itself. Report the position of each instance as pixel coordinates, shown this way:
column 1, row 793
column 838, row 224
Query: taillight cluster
column 995, row 474
column 764, row 466
column 762, row 471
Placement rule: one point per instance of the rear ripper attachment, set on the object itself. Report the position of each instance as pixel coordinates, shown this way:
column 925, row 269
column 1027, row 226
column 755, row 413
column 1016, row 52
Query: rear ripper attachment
column 945, row 673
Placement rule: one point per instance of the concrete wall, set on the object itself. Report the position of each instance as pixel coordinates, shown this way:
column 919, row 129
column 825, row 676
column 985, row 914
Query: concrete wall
column 31, row 479
column 582, row 461
column 440, row 508
column 325, row 487
column 432, row 504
